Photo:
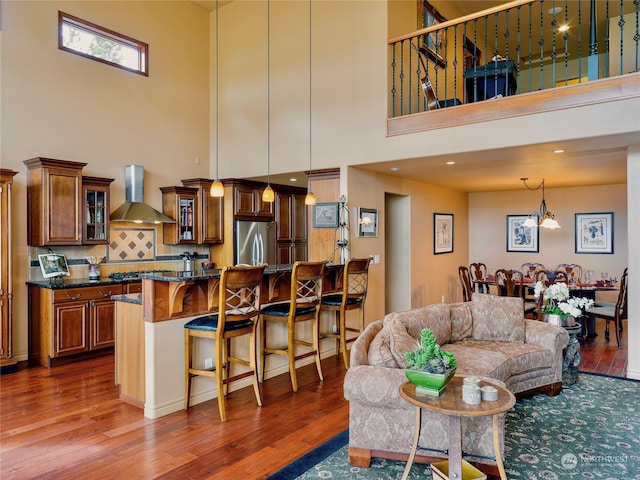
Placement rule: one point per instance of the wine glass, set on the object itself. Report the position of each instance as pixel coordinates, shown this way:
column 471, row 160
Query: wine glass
column 605, row 277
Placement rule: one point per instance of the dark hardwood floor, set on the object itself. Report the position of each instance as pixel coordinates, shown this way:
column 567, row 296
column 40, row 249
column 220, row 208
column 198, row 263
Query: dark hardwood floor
column 67, row 423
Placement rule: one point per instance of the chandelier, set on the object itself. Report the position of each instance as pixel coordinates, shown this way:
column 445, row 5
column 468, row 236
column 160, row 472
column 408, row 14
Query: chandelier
column 546, row 218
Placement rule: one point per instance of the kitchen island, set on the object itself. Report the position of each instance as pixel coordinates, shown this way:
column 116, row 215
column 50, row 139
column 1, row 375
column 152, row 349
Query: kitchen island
column 150, row 334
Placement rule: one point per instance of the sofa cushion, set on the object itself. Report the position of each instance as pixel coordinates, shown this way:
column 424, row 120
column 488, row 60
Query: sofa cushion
column 475, row 360
column 461, row 321
column 436, row 317
column 379, row 353
column 497, row 318
column 401, row 342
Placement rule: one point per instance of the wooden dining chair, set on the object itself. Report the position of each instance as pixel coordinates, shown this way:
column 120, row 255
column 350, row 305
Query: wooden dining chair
column 355, row 281
column 237, row 315
column 529, row 269
column 573, row 270
column 549, row 277
column 614, row 313
column 303, row 306
column 509, row 283
column 465, row 281
column 478, row 274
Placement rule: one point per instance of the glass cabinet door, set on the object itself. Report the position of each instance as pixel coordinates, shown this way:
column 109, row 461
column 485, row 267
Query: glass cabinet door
column 96, row 214
column 187, row 218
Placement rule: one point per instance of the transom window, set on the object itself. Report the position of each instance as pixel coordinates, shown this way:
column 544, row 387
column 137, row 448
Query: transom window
column 98, row 43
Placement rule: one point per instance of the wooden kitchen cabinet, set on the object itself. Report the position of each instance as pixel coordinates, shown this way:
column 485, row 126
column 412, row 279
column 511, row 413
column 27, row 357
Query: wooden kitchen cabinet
column 291, row 226
column 248, row 204
column 8, row 364
column 181, row 204
column 210, row 214
column 54, row 200
column 96, row 198
column 64, row 322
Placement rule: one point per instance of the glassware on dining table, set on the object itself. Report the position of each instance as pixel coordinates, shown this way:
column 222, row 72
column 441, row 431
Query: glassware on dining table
column 605, row 276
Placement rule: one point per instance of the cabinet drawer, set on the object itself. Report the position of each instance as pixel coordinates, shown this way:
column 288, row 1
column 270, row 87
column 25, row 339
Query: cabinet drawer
column 87, row 293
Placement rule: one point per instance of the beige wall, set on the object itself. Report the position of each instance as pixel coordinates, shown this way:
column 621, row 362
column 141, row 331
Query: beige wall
column 487, row 227
column 59, row 105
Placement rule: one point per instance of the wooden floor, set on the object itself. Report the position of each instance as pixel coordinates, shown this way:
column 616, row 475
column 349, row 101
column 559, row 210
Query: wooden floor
column 67, row 422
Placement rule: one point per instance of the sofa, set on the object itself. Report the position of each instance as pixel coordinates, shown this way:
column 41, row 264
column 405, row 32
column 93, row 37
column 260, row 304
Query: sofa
column 488, row 336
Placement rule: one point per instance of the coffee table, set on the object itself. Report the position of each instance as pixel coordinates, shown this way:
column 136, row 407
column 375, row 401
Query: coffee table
column 450, row 403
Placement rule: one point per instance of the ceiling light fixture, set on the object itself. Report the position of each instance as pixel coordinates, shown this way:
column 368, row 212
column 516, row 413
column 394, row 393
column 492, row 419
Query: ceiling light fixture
column 310, row 199
column 267, row 193
column 558, row 150
column 546, row 219
column 217, row 189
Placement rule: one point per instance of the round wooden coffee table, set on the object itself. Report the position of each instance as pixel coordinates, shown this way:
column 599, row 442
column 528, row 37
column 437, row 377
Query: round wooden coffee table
column 450, row 403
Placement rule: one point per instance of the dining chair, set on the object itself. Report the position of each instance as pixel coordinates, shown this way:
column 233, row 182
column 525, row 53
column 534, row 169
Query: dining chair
column 478, row 274
column 509, row 283
column 529, row 269
column 615, row 313
column 467, row 285
column 303, row 306
column 238, row 315
column 573, row 270
column 549, row 277
column 355, row 280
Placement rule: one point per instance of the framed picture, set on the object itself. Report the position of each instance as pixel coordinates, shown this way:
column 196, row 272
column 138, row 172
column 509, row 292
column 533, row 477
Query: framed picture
column 433, row 43
column 325, row 215
column 594, row 232
column 367, row 222
column 519, row 237
column 442, row 233
column 53, row 265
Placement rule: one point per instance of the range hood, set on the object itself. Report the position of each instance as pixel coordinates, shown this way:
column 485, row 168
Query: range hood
column 134, row 209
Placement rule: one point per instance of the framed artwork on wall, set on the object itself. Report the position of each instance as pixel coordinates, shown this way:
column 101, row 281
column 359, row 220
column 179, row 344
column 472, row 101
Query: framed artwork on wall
column 521, row 238
column 325, row 215
column 442, row 233
column 434, row 43
column 594, row 232
column 367, row 222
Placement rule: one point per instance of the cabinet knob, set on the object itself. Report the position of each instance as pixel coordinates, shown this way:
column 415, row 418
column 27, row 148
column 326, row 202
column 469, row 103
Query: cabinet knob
column 73, row 297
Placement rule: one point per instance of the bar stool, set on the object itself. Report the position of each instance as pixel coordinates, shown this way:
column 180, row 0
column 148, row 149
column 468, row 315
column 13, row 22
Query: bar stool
column 238, row 315
column 304, row 305
column 354, row 293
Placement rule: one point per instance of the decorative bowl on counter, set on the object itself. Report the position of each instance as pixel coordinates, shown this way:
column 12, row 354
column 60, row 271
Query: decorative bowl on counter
column 208, row 265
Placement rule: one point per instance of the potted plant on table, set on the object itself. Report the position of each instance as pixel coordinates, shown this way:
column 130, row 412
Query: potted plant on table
column 559, row 307
column 429, row 367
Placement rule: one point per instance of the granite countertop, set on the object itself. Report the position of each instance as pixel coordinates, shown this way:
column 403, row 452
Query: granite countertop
column 135, row 298
column 61, row 282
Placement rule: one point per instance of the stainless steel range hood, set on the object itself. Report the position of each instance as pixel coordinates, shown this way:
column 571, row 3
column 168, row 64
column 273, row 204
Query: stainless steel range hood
column 134, row 209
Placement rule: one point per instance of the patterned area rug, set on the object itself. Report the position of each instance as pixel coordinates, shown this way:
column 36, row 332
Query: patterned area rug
column 590, row 430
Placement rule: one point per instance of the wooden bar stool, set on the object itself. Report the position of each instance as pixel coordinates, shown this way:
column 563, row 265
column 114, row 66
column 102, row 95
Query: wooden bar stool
column 304, row 305
column 354, row 293
column 238, row 314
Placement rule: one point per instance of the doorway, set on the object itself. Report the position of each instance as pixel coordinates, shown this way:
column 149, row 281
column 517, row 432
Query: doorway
column 397, row 247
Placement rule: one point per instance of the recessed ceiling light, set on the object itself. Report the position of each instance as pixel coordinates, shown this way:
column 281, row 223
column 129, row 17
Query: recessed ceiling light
column 563, row 28
column 293, row 179
column 558, row 150
column 555, row 10
column 394, row 169
column 451, row 163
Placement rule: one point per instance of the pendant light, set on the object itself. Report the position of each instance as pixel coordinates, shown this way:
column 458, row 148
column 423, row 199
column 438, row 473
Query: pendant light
column 310, row 199
column 546, row 219
column 267, row 194
column 217, row 189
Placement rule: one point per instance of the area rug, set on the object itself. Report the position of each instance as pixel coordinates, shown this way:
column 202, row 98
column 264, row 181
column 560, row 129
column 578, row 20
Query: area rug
column 590, row 430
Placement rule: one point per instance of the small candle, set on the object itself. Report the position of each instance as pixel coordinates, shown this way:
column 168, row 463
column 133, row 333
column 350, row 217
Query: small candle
column 489, row 394
column 471, row 394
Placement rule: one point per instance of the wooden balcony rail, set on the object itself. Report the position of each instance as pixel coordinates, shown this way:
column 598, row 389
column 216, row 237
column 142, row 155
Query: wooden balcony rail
column 521, row 46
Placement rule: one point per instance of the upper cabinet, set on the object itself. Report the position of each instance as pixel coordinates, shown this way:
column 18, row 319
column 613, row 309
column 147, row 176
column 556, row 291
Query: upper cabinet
column 181, row 204
column 95, row 194
column 291, row 225
column 54, row 199
column 211, row 212
column 248, row 204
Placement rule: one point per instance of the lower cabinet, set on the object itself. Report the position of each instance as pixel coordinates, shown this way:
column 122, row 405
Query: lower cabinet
column 70, row 321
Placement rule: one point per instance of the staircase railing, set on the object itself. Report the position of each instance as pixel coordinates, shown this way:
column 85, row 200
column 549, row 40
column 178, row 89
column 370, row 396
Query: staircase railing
column 513, row 48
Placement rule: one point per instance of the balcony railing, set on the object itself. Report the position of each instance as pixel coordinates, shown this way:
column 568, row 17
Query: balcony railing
column 515, row 48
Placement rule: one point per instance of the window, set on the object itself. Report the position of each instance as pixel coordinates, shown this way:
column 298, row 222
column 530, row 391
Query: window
column 92, row 41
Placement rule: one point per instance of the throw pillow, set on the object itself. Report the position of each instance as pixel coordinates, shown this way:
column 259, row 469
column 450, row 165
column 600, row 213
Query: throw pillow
column 379, row 353
column 401, row 342
column 497, row 318
column 461, row 321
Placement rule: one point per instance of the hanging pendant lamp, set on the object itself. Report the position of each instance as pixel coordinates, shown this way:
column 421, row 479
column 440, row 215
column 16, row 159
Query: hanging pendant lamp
column 217, row 189
column 546, row 218
column 310, row 199
column 267, row 194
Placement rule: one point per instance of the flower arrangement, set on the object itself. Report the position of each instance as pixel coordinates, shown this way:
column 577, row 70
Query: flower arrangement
column 557, row 300
column 428, row 356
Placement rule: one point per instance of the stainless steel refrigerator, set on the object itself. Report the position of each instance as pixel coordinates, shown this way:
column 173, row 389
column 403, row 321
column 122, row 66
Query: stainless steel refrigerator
column 254, row 242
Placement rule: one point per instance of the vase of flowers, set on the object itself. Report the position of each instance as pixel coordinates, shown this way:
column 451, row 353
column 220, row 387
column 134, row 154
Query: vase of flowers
column 558, row 305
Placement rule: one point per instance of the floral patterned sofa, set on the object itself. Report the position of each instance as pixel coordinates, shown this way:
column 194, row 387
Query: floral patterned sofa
column 489, row 336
